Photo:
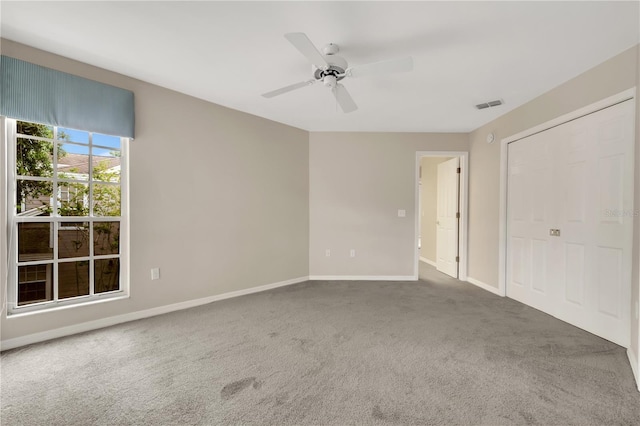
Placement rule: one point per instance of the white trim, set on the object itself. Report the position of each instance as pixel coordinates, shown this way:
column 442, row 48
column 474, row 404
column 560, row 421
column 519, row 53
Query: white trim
column 125, row 220
column 118, row 319
column 5, row 226
column 502, row 229
column 70, row 303
column 634, row 366
column 10, row 286
column 591, row 108
column 362, row 278
column 485, row 286
column 429, row 261
column 464, row 207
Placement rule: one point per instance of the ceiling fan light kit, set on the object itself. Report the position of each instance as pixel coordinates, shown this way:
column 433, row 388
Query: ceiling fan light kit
column 330, row 69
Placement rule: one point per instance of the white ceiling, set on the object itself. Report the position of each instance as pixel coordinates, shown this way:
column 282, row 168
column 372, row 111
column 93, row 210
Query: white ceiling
column 229, row 53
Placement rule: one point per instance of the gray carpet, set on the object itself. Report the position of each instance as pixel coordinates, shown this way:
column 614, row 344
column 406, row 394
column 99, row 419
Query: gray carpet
column 328, row 353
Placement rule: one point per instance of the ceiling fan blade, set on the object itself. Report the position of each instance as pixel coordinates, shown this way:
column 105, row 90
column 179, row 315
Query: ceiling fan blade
column 344, row 99
column 288, row 88
column 301, row 42
column 382, row 67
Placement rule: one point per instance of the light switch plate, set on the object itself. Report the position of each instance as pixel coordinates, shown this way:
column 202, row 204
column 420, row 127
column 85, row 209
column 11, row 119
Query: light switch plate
column 402, row 213
column 155, row 273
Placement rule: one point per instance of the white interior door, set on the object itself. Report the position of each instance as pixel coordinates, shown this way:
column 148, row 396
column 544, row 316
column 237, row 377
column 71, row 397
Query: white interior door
column 576, row 178
column 447, row 217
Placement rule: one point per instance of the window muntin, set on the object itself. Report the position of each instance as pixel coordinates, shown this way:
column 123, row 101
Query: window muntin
column 66, row 214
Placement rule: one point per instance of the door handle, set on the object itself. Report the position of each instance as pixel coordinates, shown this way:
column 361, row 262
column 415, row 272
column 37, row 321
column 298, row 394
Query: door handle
column 554, row 232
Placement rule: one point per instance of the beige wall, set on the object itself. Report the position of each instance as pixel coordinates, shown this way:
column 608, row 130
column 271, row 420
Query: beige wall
column 357, row 184
column 219, row 200
column 428, row 205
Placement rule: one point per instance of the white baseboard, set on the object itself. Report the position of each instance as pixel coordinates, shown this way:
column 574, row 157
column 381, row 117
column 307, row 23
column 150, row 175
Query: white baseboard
column 634, row 366
column 484, row 286
column 429, row 261
column 363, row 278
column 118, row 319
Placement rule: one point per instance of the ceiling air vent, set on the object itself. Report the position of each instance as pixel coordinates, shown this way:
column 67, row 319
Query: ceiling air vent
column 489, row 104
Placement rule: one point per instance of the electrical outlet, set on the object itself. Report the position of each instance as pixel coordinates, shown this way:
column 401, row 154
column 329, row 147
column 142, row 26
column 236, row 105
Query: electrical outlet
column 402, row 213
column 352, row 253
column 155, row 273
column 327, row 253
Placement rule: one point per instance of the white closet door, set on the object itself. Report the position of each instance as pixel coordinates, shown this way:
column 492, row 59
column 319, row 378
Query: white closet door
column 530, row 216
column 596, row 215
column 583, row 275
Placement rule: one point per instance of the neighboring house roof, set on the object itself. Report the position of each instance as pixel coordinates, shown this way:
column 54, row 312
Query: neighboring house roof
column 79, row 163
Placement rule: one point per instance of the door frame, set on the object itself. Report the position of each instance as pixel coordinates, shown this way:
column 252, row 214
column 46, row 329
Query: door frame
column 463, row 196
column 626, row 95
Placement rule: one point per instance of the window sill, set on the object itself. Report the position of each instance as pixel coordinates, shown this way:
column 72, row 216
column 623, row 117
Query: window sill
column 64, row 305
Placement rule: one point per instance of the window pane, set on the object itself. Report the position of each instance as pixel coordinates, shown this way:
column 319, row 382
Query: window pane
column 73, row 279
column 106, row 141
column 106, row 152
column 73, row 199
column 34, row 129
column 33, row 198
column 73, row 161
column 106, row 168
column 35, row 242
column 106, row 238
column 106, row 200
column 73, row 135
column 34, row 158
column 73, row 239
column 35, row 284
column 107, row 275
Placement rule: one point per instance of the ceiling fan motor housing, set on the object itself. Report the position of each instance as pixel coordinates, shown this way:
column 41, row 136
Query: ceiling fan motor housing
column 337, row 67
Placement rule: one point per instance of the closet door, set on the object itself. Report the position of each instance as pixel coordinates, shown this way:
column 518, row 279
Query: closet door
column 580, row 273
column 530, row 216
column 596, row 219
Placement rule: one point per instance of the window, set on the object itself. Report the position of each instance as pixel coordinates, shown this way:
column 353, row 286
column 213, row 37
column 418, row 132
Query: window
column 67, row 216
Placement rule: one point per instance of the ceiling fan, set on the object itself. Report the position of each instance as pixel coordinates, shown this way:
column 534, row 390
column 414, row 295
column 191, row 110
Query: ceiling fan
column 329, row 68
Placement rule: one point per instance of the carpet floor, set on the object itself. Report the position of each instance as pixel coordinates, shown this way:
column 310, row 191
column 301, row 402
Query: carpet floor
column 436, row 351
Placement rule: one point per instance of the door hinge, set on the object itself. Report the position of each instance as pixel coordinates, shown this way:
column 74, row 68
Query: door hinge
column 457, row 258
column 458, row 215
column 458, row 171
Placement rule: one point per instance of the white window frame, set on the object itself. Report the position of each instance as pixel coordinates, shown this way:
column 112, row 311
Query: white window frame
column 9, row 137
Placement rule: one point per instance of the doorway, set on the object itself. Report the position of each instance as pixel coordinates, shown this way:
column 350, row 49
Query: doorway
column 441, row 211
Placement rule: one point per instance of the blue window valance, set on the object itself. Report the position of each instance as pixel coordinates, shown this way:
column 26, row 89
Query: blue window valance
column 34, row 93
